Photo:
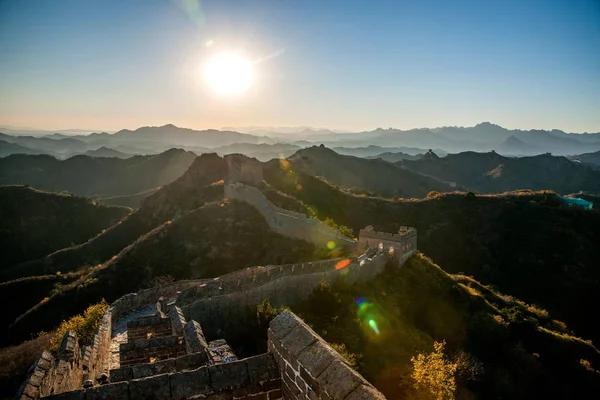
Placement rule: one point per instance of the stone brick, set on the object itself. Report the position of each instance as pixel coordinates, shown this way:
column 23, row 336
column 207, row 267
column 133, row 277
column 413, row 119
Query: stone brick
column 316, row 358
column 142, row 370
column 45, row 360
column 112, row 391
column 151, row 388
column 191, row 361
column 261, row 368
column 283, row 324
column 298, row 339
column 121, row 374
column 274, row 394
column 257, row 396
column 74, row 395
column 226, row 395
column 165, row 366
column 339, row 380
column 365, row 392
column 228, row 376
column 189, row 383
column 271, row 384
column 194, row 337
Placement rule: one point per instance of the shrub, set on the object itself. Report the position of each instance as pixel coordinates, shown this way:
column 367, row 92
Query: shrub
column 352, row 358
column 435, row 373
column 265, row 313
column 84, row 326
column 433, row 194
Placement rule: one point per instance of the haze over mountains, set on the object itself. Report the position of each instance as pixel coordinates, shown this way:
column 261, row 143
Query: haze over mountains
column 152, row 140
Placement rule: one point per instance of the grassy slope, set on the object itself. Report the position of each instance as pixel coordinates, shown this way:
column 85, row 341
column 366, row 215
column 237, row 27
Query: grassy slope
column 207, row 242
column 527, row 244
column 524, row 353
column 34, row 223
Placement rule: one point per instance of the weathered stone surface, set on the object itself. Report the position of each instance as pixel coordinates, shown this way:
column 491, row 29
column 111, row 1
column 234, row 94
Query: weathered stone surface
column 121, row 374
column 339, row 380
column 151, row 388
column 283, row 324
column 365, row 392
column 112, row 391
column 189, row 383
column 74, row 395
column 163, row 367
column 142, row 370
column 275, row 394
column 261, row 368
column 316, row 357
column 228, row 376
column 194, row 337
column 45, row 360
column 191, row 361
column 298, row 339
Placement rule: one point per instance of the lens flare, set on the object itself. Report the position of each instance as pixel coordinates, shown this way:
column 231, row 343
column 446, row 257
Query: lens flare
column 284, row 164
column 298, row 187
column 373, row 325
column 331, row 245
column 342, row 264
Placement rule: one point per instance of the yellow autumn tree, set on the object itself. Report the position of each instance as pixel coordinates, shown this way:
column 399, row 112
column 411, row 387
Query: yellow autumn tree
column 435, row 373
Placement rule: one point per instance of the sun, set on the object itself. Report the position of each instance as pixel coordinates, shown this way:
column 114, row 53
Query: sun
column 228, row 74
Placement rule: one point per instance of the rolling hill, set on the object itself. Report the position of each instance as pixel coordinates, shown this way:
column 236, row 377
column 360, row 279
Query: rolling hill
column 34, row 223
column 527, row 244
column 362, row 175
column 95, row 177
column 493, row 173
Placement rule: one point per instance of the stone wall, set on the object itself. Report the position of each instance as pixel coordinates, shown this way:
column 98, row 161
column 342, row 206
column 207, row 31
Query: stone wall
column 309, row 367
column 287, row 222
column 155, row 349
column 282, row 285
column 71, row 367
column 254, row 378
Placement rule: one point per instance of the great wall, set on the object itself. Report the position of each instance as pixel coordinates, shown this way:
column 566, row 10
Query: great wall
column 153, row 344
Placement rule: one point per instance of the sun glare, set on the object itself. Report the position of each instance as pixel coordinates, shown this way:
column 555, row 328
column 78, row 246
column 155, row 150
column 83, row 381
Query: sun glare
column 228, row 74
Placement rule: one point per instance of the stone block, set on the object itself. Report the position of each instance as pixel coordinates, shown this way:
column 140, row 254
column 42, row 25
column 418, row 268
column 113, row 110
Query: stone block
column 45, row 360
column 298, row 339
column 261, row 368
column 283, row 324
column 338, row 380
column 163, row 367
column 365, row 392
column 194, row 337
column 112, row 391
column 74, row 395
column 142, row 370
column 316, row 357
column 151, row 388
column 189, row 383
column 228, row 376
column 271, row 384
column 121, row 374
column 191, row 361
column 274, row 394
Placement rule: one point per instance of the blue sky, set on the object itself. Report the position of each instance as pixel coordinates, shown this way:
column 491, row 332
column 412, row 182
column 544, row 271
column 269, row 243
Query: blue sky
column 107, row 65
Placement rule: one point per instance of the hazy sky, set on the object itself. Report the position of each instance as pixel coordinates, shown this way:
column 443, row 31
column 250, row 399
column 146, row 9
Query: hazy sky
column 112, row 64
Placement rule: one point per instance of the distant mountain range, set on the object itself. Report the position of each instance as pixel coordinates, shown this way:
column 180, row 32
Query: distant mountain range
column 483, row 137
column 494, row 173
column 96, row 177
